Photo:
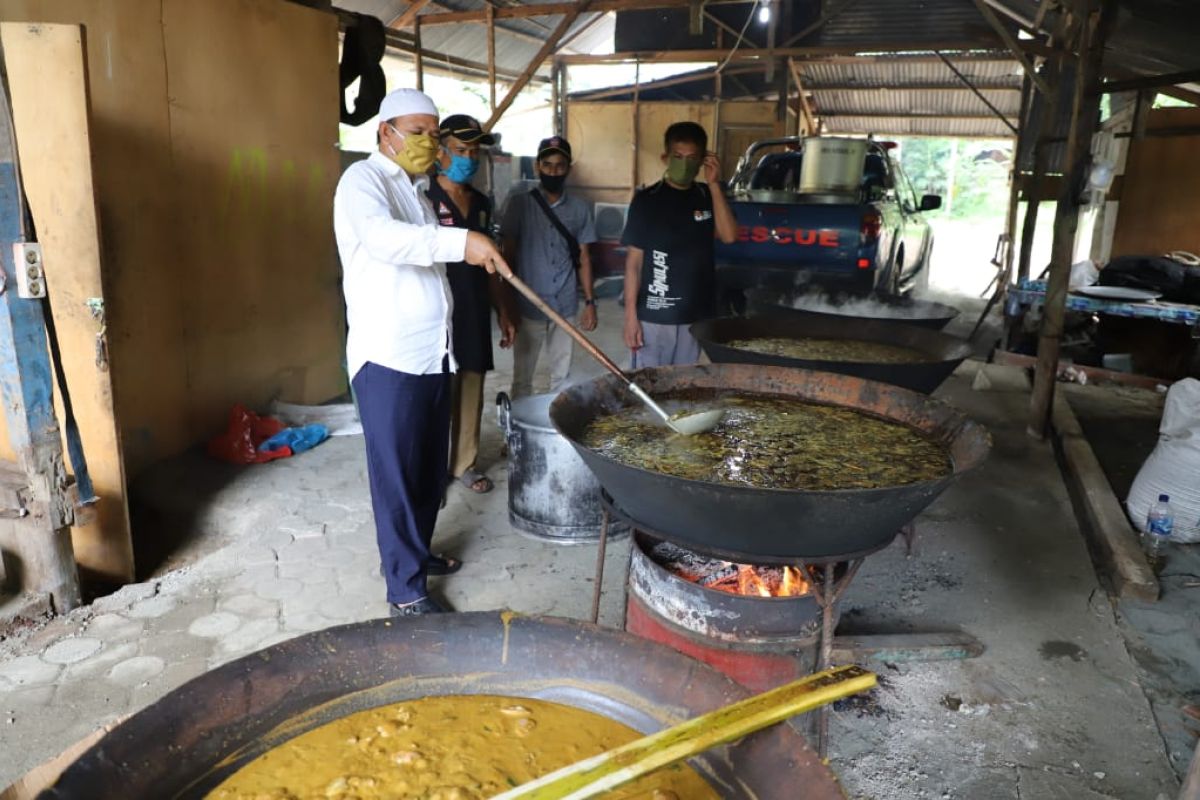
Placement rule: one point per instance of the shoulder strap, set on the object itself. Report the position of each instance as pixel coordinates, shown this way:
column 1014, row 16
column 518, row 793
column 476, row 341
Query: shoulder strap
column 572, row 242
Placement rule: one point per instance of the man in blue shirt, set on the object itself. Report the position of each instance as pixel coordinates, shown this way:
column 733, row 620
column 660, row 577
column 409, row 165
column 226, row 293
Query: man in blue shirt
column 546, row 235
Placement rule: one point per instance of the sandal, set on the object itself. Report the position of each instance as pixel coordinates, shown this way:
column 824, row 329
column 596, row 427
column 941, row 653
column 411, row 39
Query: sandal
column 476, row 481
column 442, row 565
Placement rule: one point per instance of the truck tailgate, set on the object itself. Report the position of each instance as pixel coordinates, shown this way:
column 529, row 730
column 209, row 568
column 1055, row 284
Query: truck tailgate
column 809, row 236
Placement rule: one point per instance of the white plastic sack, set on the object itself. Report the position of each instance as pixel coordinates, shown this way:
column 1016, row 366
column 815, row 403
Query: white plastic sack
column 1083, row 274
column 1174, row 466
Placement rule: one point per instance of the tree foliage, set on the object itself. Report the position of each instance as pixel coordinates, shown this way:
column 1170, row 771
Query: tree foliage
column 978, row 170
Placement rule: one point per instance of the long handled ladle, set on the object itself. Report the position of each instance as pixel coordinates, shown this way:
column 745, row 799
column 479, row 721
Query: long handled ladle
column 602, row 773
column 686, row 424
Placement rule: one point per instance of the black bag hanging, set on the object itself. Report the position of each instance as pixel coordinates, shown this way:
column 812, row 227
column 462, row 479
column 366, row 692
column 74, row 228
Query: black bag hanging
column 362, row 52
column 572, row 242
column 1175, row 281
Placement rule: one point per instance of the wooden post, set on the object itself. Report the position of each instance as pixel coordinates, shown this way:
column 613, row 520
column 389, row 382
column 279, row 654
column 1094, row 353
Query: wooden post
column 1095, row 18
column 637, row 79
column 556, row 103
column 491, row 56
column 546, row 49
column 1014, row 195
column 41, row 511
column 418, row 58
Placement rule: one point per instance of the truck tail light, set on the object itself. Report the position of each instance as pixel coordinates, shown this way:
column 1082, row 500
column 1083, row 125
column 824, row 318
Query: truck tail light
column 864, row 263
column 870, row 227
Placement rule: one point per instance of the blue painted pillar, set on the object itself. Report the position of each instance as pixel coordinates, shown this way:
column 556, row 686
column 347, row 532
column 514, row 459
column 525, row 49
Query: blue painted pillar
column 40, row 535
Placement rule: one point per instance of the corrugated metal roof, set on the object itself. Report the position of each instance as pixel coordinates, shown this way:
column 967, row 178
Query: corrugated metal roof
column 899, row 72
column 517, row 40
column 909, row 23
column 913, row 126
column 921, row 102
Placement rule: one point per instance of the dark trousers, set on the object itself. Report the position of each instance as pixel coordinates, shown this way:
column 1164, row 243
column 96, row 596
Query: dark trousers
column 406, row 424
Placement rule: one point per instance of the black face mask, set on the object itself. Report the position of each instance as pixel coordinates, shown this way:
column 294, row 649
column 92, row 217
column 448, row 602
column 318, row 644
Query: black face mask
column 552, row 183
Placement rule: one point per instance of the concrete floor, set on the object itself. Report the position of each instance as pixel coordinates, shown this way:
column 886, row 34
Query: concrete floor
column 1052, row 709
column 1164, row 637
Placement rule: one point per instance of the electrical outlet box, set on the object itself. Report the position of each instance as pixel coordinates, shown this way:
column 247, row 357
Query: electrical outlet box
column 31, row 277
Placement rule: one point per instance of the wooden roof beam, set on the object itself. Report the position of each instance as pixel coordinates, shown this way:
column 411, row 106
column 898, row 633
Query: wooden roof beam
column 410, row 14
column 877, row 52
column 1013, row 45
column 549, row 47
column 908, row 87
column 554, row 9
column 1159, row 82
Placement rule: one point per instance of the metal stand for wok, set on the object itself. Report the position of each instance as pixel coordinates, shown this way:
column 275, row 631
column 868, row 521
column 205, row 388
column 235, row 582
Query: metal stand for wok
column 882, row 647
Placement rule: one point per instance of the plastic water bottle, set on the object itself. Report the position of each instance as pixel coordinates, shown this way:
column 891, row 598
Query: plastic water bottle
column 1159, row 522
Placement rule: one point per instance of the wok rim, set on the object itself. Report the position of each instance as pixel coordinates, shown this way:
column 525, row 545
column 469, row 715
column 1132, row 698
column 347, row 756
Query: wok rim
column 965, row 425
column 761, row 294
column 960, row 349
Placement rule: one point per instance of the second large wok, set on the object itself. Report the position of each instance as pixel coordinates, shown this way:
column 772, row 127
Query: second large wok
column 769, row 525
column 941, row 354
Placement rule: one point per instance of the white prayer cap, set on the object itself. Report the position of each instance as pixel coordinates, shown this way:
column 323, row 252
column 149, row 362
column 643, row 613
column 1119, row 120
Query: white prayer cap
column 403, row 102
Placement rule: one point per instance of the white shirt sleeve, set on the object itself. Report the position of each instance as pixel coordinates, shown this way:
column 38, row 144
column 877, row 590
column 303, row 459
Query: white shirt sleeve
column 365, row 208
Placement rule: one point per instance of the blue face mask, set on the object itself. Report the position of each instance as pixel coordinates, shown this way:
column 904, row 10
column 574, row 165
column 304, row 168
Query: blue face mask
column 461, row 168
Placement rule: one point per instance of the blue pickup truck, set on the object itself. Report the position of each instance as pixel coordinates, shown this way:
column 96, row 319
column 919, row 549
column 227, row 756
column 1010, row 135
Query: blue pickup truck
column 862, row 233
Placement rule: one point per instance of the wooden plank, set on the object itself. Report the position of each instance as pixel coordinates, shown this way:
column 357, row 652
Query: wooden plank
column 50, row 112
column 807, row 113
column 1104, row 521
column 906, row 647
column 549, row 47
column 1161, row 172
column 1151, row 82
column 652, row 122
column 600, row 134
column 1094, row 374
column 264, row 315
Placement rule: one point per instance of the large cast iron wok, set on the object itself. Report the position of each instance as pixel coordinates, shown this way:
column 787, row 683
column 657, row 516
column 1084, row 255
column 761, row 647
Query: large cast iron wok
column 769, row 525
column 943, row 353
column 187, row 743
column 906, row 310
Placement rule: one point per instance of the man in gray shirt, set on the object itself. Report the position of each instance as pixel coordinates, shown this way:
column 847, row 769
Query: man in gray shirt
column 543, row 256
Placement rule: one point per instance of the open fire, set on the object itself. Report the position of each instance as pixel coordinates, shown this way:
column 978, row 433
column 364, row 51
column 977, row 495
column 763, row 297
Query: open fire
column 726, row 576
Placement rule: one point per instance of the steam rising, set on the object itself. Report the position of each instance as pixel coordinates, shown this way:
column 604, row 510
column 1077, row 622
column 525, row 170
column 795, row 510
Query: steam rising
column 860, row 306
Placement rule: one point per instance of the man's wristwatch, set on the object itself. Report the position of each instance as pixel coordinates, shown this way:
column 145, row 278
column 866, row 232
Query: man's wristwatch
column 589, row 301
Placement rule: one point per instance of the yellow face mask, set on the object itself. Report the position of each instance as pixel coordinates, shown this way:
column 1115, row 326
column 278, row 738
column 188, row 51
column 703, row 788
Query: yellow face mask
column 420, row 151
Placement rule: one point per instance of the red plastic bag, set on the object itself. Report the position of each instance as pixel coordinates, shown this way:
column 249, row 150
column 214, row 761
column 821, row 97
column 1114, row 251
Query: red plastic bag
column 247, row 430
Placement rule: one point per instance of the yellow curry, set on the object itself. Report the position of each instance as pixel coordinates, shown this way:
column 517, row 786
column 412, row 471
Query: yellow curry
column 464, row 747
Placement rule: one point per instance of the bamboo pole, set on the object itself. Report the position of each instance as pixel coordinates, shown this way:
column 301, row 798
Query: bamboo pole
column 418, row 55
column 1095, row 19
column 491, row 56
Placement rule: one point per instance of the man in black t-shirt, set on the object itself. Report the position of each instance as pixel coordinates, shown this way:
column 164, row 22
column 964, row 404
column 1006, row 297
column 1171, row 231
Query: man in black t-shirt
column 670, row 272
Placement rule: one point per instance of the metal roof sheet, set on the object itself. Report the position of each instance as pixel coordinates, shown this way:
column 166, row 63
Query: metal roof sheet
column 921, row 72
column 909, row 23
column 920, row 102
column 914, row 126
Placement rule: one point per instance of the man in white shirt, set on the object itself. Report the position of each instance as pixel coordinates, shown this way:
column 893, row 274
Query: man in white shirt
column 398, row 349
